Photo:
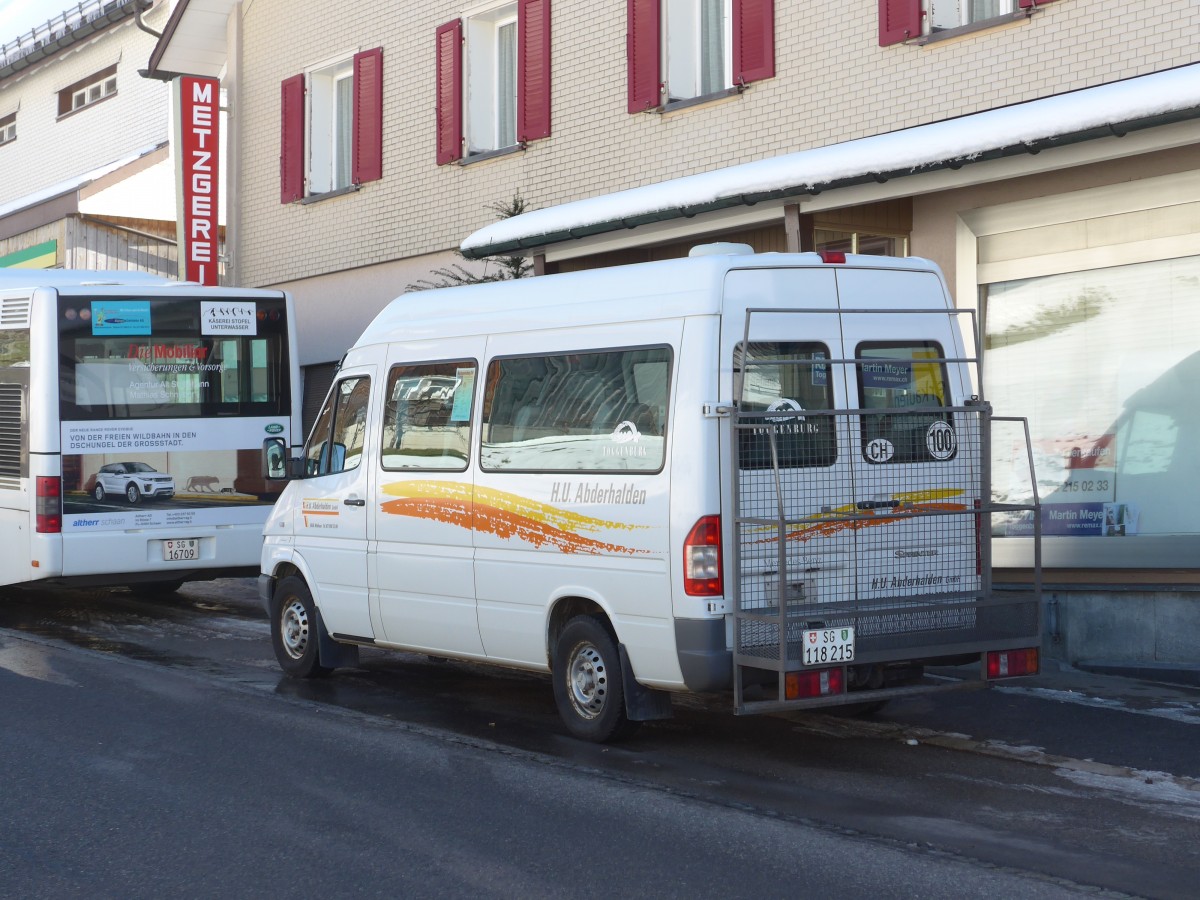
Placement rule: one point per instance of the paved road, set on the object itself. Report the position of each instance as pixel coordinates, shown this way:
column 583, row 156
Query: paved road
column 1043, row 789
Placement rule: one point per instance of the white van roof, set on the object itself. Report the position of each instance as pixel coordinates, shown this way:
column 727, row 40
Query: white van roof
column 678, row 287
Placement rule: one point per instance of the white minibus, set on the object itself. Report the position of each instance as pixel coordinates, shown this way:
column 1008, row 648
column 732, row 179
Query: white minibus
column 765, row 475
column 133, row 411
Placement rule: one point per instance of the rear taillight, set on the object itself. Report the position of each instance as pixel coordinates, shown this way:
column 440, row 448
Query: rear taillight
column 814, row 683
column 1011, row 663
column 833, row 256
column 49, row 504
column 702, row 559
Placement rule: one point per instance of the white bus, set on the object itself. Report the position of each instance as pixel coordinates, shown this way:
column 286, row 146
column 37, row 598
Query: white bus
column 133, row 411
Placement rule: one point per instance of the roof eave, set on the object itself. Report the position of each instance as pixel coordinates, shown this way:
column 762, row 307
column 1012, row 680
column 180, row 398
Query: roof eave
column 1117, row 129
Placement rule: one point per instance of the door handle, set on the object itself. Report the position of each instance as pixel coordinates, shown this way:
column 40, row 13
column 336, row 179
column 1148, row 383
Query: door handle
column 355, row 502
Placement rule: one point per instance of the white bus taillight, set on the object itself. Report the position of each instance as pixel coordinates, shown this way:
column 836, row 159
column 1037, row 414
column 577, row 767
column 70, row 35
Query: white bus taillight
column 49, row 504
column 702, row 559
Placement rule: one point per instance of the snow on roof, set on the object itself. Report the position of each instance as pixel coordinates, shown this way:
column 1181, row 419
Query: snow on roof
column 1100, row 110
column 72, row 184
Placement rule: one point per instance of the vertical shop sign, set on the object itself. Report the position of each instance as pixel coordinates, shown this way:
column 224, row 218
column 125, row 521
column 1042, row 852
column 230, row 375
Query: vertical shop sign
column 197, row 138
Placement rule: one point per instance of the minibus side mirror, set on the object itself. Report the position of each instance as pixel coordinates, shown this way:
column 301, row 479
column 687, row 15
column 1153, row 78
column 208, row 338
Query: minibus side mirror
column 275, row 460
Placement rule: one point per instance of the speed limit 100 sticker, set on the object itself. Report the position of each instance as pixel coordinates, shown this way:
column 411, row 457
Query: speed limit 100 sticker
column 940, row 440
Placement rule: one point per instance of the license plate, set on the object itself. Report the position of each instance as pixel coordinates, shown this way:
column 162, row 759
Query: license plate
column 185, row 548
column 828, row 645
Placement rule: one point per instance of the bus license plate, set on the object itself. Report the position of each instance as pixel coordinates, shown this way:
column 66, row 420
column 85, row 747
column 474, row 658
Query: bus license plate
column 185, row 548
column 828, row 645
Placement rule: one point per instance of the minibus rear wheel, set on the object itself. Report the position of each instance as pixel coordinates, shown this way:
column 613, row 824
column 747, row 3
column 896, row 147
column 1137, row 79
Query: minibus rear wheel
column 588, row 688
column 295, row 628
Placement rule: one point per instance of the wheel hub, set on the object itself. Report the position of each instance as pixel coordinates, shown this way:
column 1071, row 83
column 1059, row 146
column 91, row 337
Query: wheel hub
column 293, row 628
column 588, row 677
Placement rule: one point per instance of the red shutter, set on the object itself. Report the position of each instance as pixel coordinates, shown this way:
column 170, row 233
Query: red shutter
column 367, row 151
column 642, row 36
column 1027, row 4
column 449, row 92
column 533, row 64
column 898, row 21
column 753, row 40
column 291, row 140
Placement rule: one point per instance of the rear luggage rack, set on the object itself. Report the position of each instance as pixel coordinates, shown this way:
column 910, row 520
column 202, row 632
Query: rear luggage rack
column 847, row 544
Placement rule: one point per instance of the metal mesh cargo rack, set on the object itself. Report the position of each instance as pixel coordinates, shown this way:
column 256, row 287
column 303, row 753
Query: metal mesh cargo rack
column 876, row 519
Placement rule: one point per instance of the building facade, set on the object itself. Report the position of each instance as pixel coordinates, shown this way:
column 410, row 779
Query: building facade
column 86, row 179
column 1043, row 152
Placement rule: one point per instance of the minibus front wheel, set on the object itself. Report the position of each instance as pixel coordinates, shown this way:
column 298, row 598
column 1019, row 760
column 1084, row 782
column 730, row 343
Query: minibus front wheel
column 588, row 684
column 295, row 629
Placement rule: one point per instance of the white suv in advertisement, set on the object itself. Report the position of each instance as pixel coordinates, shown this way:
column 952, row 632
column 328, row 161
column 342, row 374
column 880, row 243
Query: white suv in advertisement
column 135, row 480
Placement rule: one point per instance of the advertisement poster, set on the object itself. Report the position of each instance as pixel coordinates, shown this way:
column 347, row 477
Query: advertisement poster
column 150, row 473
column 1082, row 501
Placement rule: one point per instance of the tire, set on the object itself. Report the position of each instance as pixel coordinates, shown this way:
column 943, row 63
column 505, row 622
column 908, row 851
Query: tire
column 295, row 630
column 588, row 687
column 98, row 493
column 132, row 494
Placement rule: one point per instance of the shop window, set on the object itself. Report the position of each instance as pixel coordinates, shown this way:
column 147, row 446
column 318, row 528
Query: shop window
column 8, row 128
column 342, row 104
column 493, row 80
column 678, row 50
column 1104, row 364
column 88, row 91
column 901, row 20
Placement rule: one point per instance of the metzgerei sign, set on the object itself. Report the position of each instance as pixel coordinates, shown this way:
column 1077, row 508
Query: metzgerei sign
column 197, row 133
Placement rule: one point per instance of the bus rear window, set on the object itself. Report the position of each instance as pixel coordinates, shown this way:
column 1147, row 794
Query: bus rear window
column 908, row 381
column 135, row 358
column 785, row 386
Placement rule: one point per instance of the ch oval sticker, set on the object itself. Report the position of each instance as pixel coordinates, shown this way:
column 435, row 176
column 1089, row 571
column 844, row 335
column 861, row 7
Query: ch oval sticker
column 880, row 450
column 941, row 441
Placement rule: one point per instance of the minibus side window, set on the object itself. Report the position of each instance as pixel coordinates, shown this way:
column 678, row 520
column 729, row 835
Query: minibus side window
column 427, row 416
column 909, row 381
column 788, row 380
column 577, row 412
column 339, row 435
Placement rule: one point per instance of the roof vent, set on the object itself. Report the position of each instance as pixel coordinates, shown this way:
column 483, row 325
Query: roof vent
column 722, row 248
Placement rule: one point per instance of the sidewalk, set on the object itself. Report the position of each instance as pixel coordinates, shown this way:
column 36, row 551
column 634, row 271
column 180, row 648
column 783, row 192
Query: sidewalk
column 1139, row 687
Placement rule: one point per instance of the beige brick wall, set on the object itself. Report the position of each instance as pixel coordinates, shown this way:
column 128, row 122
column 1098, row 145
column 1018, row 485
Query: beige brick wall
column 833, row 83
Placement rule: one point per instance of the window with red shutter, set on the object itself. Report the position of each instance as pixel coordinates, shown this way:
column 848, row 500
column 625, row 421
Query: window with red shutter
column 291, row 140
column 449, row 92
column 753, row 40
column 493, row 80
column 899, row 20
column 533, row 64
column 642, row 49
column 367, row 152
column 712, row 47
